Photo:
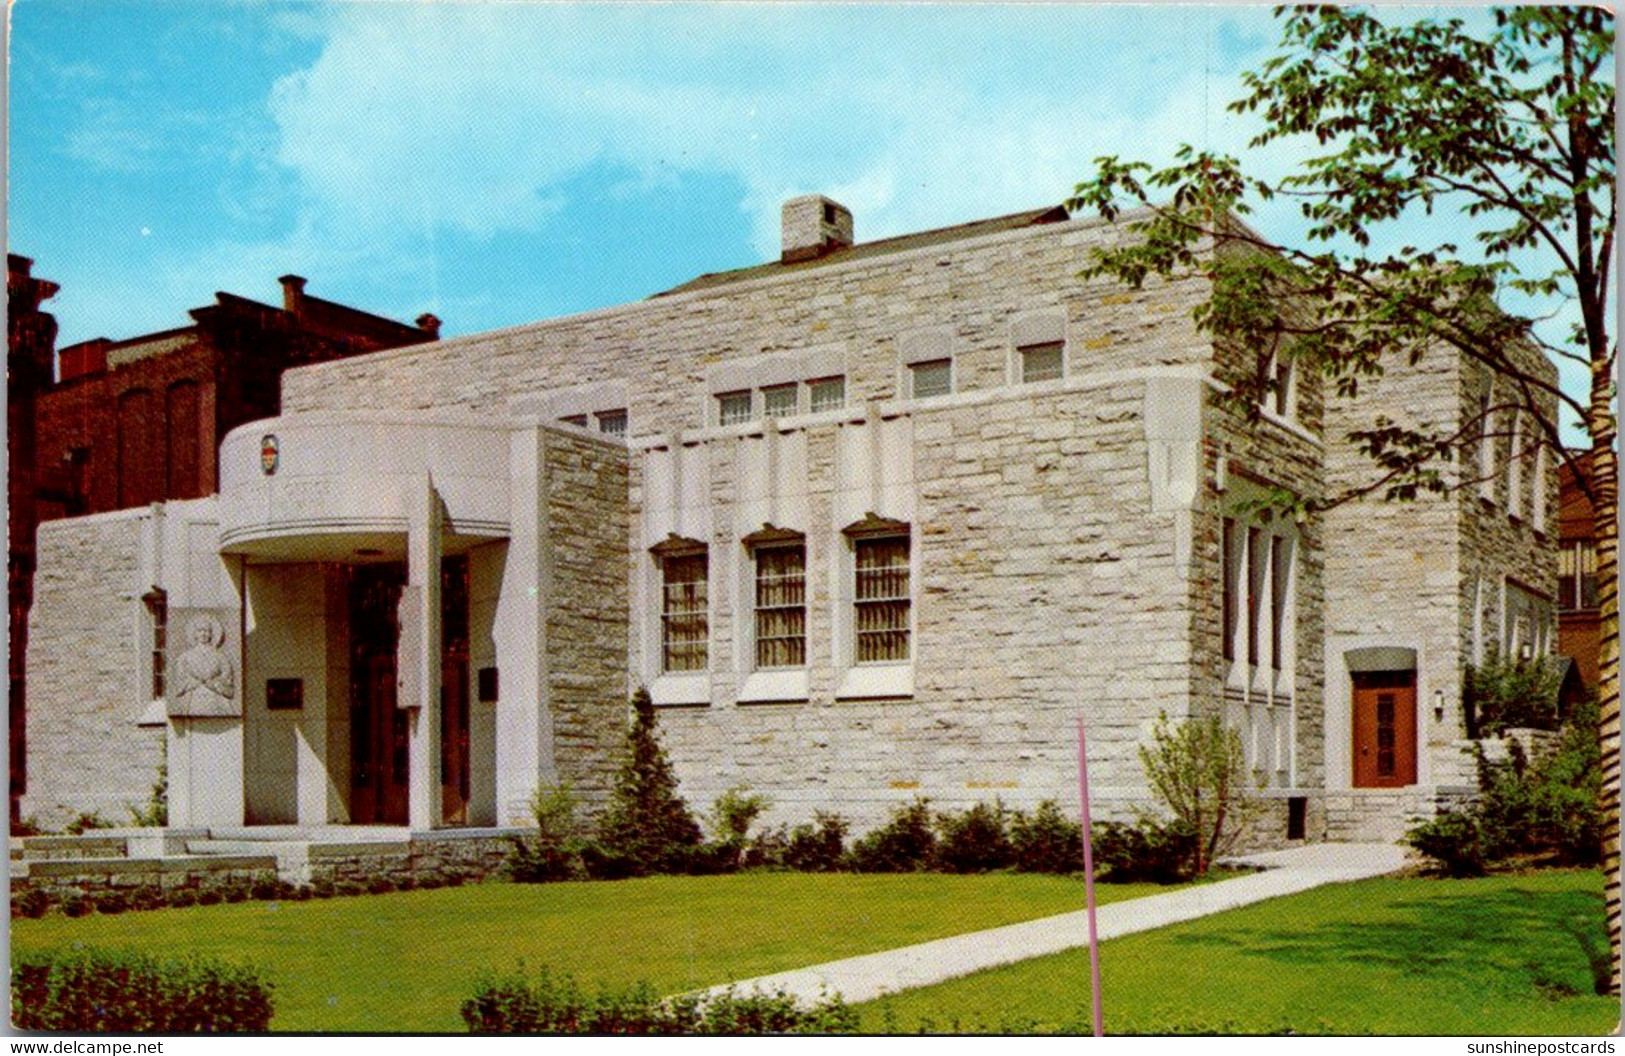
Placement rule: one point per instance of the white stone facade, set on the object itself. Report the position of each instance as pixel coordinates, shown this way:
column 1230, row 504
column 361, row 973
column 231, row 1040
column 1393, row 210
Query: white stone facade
column 871, row 524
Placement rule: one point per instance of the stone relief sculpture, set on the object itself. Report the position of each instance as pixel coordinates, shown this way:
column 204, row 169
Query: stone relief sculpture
column 205, row 681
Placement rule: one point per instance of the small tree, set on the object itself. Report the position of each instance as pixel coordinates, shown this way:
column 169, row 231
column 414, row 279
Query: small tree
column 647, row 822
column 1196, row 768
column 1504, row 692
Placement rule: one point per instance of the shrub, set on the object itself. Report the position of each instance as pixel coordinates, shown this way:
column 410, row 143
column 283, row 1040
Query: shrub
column 1546, row 807
column 607, row 863
column 553, row 853
column 1197, row 770
column 110, row 902
column 1453, row 840
column 767, row 849
column 31, row 903
column 83, row 823
column 181, row 897
column 26, row 826
column 322, row 887
column 76, row 906
column 1145, row 852
column 210, row 896
column 553, row 1003
column 154, row 813
column 265, row 887
column 903, row 845
column 974, row 841
column 88, row 991
column 732, row 814
column 819, row 847
column 1505, row 692
column 1046, row 841
column 647, row 825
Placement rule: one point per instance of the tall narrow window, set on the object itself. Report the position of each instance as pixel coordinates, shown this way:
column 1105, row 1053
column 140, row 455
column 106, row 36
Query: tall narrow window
column 934, row 377
column 781, row 605
column 684, row 619
column 881, row 599
column 1230, row 570
column 1577, row 575
column 1281, row 376
column 1042, row 362
column 1280, row 578
column 827, row 394
column 181, row 439
column 1255, row 590
column 1486, row 444
column 157, row 602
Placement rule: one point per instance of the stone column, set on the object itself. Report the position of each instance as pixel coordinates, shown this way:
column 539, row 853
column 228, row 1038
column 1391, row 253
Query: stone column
column 417, row 660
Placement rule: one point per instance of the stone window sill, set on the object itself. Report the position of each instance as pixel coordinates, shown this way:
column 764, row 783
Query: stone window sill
column 774, row 687
column 878, row 680
column 674, row 690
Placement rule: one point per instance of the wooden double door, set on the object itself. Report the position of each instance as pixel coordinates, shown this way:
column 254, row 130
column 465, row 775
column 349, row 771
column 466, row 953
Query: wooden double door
column 1384, row 729
column 380, row 757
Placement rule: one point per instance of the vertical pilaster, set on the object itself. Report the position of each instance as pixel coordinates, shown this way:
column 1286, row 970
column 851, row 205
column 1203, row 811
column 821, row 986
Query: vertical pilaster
column 419, row 657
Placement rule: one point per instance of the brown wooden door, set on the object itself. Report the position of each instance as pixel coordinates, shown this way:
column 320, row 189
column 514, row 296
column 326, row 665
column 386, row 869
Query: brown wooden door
column 1384, row 729
column 379, row 764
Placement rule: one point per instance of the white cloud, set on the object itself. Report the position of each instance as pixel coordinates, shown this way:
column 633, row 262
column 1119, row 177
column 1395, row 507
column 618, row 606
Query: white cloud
column 469, row 117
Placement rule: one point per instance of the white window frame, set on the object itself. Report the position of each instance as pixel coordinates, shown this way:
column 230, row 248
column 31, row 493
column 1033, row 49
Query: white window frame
column 759, row 684
column 768, row 391
column 873, row 678
column 683, row 686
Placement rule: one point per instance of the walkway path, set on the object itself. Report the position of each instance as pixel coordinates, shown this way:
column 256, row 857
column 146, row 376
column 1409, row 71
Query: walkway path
column 1285, row 872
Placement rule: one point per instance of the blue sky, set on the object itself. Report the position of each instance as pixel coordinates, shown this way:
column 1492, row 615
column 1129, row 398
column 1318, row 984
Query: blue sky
column 497, row 163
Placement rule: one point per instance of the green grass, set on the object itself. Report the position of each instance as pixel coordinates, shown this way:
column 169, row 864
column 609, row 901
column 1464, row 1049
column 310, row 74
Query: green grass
column 406, row 961
column 1501, row 955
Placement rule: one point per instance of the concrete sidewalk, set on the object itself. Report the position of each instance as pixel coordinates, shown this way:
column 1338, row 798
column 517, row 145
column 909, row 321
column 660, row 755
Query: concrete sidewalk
column 1285, row 872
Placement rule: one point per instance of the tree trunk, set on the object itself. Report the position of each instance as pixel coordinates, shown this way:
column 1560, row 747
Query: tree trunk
column 1605, row 509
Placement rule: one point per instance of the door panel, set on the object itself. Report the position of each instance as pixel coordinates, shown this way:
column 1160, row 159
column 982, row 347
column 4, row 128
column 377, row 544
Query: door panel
column 1384, row 706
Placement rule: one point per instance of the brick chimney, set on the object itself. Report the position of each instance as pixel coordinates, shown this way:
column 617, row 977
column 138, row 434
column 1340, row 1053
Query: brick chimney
column 814, row 226
column 429, row 323
column 293, row 293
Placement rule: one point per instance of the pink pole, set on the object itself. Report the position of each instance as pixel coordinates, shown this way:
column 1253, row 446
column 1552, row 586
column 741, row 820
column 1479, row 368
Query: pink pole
column 1089, row 879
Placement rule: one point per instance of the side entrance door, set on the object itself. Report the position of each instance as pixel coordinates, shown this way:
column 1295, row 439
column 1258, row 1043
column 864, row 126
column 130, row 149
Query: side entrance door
column 1384, row 729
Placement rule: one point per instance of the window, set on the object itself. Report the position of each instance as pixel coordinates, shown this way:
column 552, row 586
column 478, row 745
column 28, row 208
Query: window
column 827, row 394
column 934, row 377
column 577, row 420
column 779, row 401
column 733, row 408
column 881, row 600
column 1230, row 569
column 1255, row 590
column 1280, row 566
column 1281, row 386
column 684, row 619
column 612, row 423
column 1514, row 463
column 157, row 602
column 781, row 605
column 1042, row 362
column 1577, row 575
column 1486, row 445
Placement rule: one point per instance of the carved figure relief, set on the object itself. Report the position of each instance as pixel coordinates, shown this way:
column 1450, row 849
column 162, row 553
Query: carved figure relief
column 205, row 681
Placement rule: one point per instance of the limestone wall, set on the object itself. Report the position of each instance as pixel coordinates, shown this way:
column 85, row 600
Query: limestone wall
column 89, row 671
column 978, row 289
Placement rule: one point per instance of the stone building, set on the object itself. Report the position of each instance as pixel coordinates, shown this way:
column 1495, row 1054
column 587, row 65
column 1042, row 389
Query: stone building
column 1579, row 626
column 106, row 425
column 872, row 521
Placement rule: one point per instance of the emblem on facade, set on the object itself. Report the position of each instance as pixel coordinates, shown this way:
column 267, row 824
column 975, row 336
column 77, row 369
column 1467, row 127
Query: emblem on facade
column 270, row 453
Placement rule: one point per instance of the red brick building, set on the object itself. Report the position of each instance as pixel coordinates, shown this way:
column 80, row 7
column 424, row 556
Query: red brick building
column 131, row 422
column 1578, row 619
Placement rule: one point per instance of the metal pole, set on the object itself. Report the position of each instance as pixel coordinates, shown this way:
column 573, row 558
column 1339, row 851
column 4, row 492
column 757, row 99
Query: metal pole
column 1089, row 879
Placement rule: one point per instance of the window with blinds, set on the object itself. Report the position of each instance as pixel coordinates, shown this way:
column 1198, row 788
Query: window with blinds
column 881, row 599
column 781, row 606
column 684, row 622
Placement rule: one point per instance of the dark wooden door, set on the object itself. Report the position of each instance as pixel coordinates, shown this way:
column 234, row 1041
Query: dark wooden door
column 379, row 763
column 1384, row 729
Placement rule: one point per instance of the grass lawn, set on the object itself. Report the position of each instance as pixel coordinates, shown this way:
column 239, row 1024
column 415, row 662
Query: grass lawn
column 406, row 961
column 1501, row 955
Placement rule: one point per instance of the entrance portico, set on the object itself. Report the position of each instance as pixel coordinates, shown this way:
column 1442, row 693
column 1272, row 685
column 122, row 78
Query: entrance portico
column 356, row 540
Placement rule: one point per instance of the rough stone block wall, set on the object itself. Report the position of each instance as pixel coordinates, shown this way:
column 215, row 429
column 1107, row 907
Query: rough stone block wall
column 587, row 613
column 663, row 346
column 87, row 671
column 1046, row 589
